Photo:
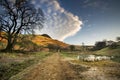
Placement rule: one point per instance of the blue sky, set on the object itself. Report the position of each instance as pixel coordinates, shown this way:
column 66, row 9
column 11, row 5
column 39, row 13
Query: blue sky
column 80, row 21
column 101, row 20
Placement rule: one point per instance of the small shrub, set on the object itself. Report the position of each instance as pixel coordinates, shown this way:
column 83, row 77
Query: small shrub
column 113, row 46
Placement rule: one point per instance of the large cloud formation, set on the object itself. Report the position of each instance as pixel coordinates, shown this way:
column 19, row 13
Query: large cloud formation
column 59, row 23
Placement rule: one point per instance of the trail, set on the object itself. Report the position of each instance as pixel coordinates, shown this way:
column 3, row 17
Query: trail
column 56, row 67
column 52, row 68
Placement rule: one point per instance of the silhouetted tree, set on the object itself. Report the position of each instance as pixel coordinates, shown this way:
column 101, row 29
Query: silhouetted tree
column 118, row 39
column 72, row 47
column 113, row 45
column 18, row 17
column 100, row 45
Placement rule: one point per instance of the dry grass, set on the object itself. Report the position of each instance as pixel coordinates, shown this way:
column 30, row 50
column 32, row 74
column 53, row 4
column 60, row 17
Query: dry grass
column 104, row 63
column 13, row 63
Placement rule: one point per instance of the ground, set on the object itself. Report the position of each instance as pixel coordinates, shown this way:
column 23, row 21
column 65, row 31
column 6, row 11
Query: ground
column 56, row 67
column 52, row 68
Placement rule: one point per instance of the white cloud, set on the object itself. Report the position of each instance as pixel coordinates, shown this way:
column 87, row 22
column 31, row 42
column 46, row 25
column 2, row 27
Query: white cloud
column 59, row 23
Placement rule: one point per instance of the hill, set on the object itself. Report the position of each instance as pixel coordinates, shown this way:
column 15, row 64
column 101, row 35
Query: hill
column 110, row 52
column 45, row 41
column 34, row 42
column 46, row 35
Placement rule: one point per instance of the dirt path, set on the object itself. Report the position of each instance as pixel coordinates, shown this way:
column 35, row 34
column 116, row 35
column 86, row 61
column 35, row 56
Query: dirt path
column 52, row 68
column 87, row 72
column 57, row 68
column 94, row 73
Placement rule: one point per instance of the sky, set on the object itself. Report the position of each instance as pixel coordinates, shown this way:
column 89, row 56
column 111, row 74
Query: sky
column 59, row 23
column 101, row 20
column 80, row 21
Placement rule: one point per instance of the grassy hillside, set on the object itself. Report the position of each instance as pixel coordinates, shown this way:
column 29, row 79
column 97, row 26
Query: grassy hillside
column 110, row 52
column 44, row 41
column 34, row 42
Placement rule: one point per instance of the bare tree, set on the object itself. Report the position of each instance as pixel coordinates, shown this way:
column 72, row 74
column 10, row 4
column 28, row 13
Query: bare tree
column 19, row 17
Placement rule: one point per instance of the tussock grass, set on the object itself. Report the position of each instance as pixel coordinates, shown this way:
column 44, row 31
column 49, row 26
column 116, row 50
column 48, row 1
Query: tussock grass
column 13, row 63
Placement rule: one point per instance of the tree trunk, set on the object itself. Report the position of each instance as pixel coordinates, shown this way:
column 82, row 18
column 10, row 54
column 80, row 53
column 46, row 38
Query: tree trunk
column 8, row 47
column 10, row 43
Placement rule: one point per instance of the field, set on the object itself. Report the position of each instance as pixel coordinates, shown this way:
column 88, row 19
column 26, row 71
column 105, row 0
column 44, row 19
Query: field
column 13, row 63
column 63, row 65
column 98, row 70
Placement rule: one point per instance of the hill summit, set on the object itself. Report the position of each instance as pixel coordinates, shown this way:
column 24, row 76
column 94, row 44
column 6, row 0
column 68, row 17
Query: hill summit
column 46, row 35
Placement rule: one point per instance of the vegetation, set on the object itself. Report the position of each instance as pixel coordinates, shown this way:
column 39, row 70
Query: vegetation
column 27, row 45
column 35, row 43
column 16, row 18
column 113, row 46
column 45, row 35
column 100, row 45
column 72, row 47
column 118, row 39
column 54, row 47
column 69, row 54
column 109, row 52
column 16, row 62
column 8, row 70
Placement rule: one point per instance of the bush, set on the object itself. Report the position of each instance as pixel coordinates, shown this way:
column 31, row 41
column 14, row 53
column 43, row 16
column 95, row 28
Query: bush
column 53, row 47
column 113, row 46
column 100, row 45
column 28, row 45
column 72, row 47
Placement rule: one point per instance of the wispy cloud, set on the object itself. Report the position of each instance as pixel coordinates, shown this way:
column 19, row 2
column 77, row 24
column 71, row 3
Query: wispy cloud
column 59, row 23
column 99, row 4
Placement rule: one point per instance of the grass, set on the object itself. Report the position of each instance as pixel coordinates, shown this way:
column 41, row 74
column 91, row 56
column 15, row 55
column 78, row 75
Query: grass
column 104, row 52
column 104, row 63
column 13, row 63
column 109, row 67
column 69, row 54
column 109, row 52
column 8, row 70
